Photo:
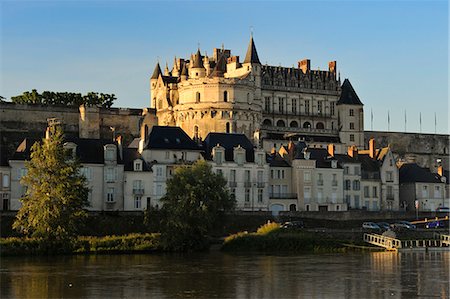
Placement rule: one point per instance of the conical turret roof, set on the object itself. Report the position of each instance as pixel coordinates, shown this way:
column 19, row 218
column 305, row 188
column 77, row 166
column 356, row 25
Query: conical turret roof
column 156, row 72
column 252, row 55
column 198, row 61
column 348, row 94
column 220, row 68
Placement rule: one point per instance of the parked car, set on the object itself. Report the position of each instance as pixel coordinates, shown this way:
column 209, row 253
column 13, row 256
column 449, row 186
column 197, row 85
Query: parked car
column 383, row 225
column 403, row 225
column 434, row 224
column 370, row 225
column 293, row 224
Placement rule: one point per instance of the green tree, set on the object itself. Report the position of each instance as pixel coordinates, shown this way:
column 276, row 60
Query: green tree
column 196, row 199
column 52, row 207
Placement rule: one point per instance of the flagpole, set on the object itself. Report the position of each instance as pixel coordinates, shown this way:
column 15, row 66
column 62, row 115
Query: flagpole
column 420, row 121
column 405, row 120
column 371, row 119
column 389, row 122
column 435, row 123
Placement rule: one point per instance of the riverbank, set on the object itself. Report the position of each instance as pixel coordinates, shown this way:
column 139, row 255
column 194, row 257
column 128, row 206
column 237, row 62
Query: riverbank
column 272, row 238
column 132, row 243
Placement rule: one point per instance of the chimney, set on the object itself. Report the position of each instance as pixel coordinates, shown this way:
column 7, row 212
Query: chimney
column 372, row 148
column 332, row 67
column 291, row 150
column 330, row 149
column 119, row 145
column 304, row 65
column 352, row 151
column 440, row 170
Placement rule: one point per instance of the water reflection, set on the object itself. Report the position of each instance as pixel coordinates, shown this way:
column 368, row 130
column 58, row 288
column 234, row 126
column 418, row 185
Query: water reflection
column 218, row 275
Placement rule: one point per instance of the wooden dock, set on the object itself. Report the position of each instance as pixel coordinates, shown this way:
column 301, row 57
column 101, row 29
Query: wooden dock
column 442, row 242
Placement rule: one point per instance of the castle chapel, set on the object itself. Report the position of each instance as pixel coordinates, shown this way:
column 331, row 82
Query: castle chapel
column 269, row 104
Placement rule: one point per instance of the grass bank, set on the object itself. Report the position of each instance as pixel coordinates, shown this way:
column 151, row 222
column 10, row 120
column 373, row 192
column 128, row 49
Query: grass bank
column 272, row 238
column 81, row 245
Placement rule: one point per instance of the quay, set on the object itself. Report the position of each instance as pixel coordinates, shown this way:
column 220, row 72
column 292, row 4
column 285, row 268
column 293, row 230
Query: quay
column 440, row 242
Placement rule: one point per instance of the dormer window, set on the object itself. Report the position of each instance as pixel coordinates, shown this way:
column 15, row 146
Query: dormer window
column 110, row 153
column 218, row 154
column 138, row 165
column 240, row 158
column 260, row 159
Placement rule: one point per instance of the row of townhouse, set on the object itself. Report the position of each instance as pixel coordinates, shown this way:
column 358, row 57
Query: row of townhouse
column 296, row 178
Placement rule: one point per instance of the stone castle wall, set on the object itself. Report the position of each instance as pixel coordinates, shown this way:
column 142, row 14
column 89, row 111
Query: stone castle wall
column 424, row 149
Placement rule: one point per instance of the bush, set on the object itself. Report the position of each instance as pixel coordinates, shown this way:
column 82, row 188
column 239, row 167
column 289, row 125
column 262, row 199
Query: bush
column 268, row 228
column 36, row 246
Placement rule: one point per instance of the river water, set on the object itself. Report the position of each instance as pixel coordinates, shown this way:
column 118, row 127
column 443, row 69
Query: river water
column 221, row 275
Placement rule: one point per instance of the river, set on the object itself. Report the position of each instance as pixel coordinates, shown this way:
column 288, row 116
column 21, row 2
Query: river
column 222, row 275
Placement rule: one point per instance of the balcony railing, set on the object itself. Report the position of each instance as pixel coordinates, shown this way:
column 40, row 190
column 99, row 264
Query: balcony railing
column 283, row 195
column 319, row 182
column 260, row 184
column 334, row 183
column 232, row 184
column 247, row 184
column 300, row 130
column 390, row 197
column 138, row 191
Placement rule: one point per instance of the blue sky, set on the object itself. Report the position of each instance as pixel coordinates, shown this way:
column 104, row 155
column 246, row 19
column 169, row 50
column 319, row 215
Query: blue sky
column 395, row 53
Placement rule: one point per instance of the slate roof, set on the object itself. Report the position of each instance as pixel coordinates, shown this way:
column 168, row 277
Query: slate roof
column 3, row 156
column 348, row 95
column 275, row 160
column 320, row 155
column 170, row 79
column 198, row 60
column 163, row 137
column 228, row 141
column 131, row 154
column 156, row 72
column 251, row 56
column 412, row 173
column 88, row 150
column 220, row 68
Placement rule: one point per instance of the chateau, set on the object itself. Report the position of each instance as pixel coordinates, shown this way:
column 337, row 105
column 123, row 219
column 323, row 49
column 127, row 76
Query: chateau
column 268, row 104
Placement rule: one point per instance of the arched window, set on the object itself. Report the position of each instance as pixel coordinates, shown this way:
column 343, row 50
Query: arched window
column 248, row 97
column 227, row 128
column 292, row 208
column 294, row 124
column 281, row 123
column 197, row 97
column 225, row 96
column 320, row 126
column 195, row 132
column 267, row 122
column 306, row 125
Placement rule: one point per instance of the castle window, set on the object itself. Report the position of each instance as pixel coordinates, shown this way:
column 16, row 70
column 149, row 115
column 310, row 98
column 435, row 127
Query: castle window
column 225, row 96
column 281, row 105
column 195, row 132
column 307, row 106
column 267, row 104
column 197, row 97
column 160, row 105
column 281, row 123
column 294, row 106
column 293, row 124
column 227, row 128
column 352, row 137
column 306, row 125
column 267, row 122
column 352, row 126
column 332, row 107
column 248, row 98
column 352, row 112
column 320, row 126
column 319, row 107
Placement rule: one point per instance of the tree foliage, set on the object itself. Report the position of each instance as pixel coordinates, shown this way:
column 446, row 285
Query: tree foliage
column 56, row 192
column 195, row 199
column 65, row 98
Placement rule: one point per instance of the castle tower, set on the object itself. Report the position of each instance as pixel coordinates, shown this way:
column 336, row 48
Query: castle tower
column 252, row 64
column 350, row 116
column 197, row 70
column 175, row 69
column 153, row 84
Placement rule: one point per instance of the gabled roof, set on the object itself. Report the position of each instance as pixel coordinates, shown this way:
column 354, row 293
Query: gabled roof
column 413, row 173
column 164, row 137
column 88, row 150
column 156, row 72
column 252, row 55
column 348, row 95
column 323, row 160
column 228, row 141
column 220, row 68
